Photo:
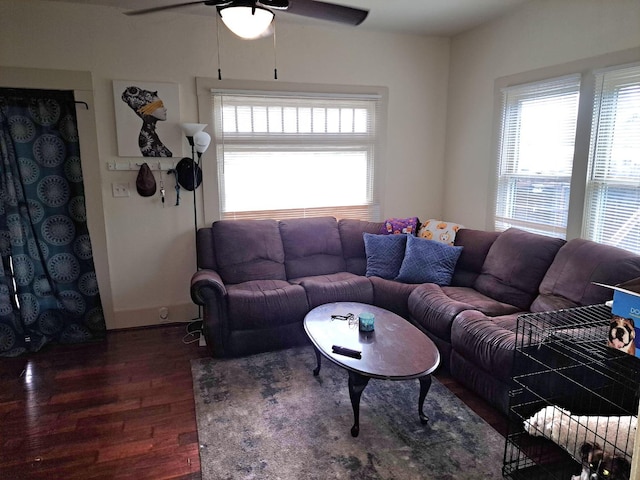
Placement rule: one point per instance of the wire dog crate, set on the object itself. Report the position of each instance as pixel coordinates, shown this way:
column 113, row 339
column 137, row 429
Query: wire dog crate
column 562, row 360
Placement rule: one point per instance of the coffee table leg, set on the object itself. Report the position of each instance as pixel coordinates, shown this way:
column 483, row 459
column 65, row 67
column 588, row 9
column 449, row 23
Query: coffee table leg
column 316, row 371
column 357, row 384
column 425, row 385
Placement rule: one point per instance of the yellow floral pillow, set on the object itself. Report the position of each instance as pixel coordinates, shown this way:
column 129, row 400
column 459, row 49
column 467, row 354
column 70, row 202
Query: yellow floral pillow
column 443, row 232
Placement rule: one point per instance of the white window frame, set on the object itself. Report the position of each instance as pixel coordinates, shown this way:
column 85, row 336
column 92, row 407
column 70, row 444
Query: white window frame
column 532, row 181
column 612, row 201
column 579, row 208
column 207, row 88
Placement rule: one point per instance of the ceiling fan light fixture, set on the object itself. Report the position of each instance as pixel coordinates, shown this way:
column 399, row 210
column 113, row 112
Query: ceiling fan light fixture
column 246, row 22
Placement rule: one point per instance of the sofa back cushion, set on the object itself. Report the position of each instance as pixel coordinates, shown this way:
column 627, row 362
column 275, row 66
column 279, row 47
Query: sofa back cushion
column 312, row 246
column 476, row 245
column 205, row 249
column 351, row 237
column 568, row 282
column 515, row 265
column 248, row 250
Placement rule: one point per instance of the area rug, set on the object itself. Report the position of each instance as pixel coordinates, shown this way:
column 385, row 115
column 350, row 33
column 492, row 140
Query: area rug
column 267, row 417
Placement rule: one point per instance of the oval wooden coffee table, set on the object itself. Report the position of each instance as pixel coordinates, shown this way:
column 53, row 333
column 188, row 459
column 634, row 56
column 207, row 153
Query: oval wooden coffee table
column 395, row 350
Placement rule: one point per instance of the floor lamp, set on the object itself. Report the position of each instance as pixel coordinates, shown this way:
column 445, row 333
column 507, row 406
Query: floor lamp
column 199, row 141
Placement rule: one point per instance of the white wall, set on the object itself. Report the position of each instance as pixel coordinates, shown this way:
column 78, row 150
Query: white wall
column 145, row 254
column 542, row 33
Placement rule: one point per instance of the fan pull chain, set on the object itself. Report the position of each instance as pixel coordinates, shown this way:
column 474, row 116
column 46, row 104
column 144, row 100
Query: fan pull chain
column 275, row 57
column 218, row 43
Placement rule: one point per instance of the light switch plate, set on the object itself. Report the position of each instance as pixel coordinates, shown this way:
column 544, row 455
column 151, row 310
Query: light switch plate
column 120, row 189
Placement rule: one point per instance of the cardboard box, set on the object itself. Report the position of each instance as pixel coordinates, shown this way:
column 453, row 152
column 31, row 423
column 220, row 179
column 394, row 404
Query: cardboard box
column 626, row 304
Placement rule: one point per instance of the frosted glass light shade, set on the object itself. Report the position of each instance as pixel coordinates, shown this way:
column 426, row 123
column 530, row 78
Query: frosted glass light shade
column 246, row 22
column 190, row 129
column 201, row 141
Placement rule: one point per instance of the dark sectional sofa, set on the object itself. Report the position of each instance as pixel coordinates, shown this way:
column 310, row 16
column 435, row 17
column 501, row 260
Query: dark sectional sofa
column 257, row 280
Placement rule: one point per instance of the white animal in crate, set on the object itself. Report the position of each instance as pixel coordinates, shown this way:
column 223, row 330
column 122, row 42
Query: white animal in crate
column 572, row 431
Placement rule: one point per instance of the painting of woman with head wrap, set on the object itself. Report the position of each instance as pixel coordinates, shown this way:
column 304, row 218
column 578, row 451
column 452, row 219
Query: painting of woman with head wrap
column 147, row 105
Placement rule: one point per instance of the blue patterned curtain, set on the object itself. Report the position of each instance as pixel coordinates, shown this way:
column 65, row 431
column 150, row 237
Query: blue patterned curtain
column 48, row 286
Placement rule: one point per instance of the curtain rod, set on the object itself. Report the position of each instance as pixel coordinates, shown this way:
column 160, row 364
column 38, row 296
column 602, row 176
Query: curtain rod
column 21, row 93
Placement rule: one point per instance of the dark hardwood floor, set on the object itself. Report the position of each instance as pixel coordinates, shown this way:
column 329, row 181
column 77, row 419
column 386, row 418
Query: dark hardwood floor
column 117, row 409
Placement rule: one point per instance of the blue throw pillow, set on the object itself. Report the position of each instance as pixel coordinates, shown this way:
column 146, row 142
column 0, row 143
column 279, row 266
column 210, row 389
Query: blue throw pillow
column 428, row 261
column 384, row 254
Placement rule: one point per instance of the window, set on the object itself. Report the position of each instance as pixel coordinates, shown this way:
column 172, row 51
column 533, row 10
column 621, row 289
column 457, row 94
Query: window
column 612, row 202
column 569, row 151
column 284, row 155
column 538, row 129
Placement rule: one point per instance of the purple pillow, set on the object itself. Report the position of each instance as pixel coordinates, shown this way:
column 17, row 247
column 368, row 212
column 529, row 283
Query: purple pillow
column 384, row 254
column 394, row 226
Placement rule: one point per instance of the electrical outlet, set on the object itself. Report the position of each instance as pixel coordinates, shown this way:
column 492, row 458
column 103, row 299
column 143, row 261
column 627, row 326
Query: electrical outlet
column 120, row 189
column 163, row 314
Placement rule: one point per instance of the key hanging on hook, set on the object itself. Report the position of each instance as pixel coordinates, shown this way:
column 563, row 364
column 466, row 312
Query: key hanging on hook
column 162, row 190
column 177, row 187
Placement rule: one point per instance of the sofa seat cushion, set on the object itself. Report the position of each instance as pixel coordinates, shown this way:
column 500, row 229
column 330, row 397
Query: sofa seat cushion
column 392, row 295
column 433, row 311
column 487, row 305
column 515, row 265
column 548, row 302
column 337, row 287
column 265, row 303
column 434, row 308
column 487, row 342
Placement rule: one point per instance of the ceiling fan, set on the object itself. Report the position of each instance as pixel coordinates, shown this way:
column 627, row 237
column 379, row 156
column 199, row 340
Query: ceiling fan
column 258, row 11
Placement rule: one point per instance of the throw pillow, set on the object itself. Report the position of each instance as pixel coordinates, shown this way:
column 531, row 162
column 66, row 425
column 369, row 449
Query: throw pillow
column 394, row 226
column 384, row 254
column 426, row 261
column 444, row 232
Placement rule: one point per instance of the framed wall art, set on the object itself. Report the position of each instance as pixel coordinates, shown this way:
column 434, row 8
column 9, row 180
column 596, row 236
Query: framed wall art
column 147, row 119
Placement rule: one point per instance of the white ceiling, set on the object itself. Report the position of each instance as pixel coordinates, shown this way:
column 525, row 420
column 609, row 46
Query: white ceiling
column 423, row 17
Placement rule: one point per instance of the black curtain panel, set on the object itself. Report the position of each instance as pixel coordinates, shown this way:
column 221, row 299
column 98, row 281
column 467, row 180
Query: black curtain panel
column 48, row 286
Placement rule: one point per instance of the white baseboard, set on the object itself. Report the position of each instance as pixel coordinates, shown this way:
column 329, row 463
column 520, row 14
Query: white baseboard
column 143, row 317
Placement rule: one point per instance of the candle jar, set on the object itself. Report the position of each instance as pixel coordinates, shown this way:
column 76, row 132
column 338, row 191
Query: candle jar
column 366, row 321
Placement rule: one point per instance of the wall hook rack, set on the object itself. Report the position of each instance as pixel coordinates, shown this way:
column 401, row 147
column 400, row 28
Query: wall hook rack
column 134, row 165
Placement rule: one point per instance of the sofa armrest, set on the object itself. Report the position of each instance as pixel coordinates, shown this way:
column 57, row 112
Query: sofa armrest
column 205, row 285
column 208, row 289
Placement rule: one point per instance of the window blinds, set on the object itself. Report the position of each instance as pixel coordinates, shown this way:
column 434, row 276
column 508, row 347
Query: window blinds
column 537, row 136
column 612, row 203
column 283, row 155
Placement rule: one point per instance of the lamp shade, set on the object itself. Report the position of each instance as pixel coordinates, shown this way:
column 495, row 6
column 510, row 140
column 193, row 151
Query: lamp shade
column 201, row 141
column 190, row 129
column 246, row 22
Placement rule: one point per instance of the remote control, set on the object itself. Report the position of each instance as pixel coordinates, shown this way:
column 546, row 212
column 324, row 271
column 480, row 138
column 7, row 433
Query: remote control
column 346, row 351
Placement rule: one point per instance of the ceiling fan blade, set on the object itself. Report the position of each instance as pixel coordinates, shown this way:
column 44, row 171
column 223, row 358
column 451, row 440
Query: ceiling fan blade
column 176, row 5
column 327, row 11
column 275, row 4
